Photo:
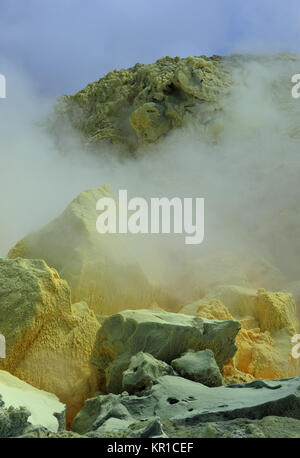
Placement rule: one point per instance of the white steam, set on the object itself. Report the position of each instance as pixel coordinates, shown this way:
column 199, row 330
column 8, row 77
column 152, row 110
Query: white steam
column 248, row 176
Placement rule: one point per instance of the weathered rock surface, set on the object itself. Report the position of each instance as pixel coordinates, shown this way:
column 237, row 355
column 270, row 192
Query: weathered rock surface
column 155, row 99
column 173, row 407
column 268, row 427
column 212, row 309
column 165, row 336
column 21, row 404
column 200, row 367
column 98, row 267
column 13, row 421
column 143, row 371
column 189, row 403
column 47, row 345
column 276, row 311
column 272, row 311
column 139, row 105
column 268, row 320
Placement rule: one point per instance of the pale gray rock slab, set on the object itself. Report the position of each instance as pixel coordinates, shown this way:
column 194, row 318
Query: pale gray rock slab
column 184, row 401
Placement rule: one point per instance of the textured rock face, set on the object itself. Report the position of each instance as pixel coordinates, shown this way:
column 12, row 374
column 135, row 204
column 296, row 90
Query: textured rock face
column 276, row 311
column 47, row 345
column 268, row 320
column 143, row 371
column 13, row 422
column 96, row 266
column 189, row 403
column 165, row 336
column 23, row 403
column 268, row 427
column 260, row 356
column 240, row 301
column 154, row 98
column 200, row 367
column 272, row 311
column 140, row 105
column 207, row 308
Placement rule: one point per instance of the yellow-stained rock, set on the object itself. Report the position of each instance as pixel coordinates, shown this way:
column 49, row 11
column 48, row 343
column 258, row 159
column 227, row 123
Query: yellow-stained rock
column 140, row 105
column 239, row 300
column 259, row 355
column 276, row 311
column 47, row 343
column 99, row 268
column 213, row 310
column 264, row 344
column 270, row 311
column 249, row 322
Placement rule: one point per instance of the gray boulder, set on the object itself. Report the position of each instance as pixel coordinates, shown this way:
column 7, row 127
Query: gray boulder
column 200, row 367
column 175, row 399
column 164, row 335
column 98, row 411
column 142, row 372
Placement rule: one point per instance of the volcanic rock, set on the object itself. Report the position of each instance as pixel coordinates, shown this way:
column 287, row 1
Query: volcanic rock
column 47, row 345
column 200, row 367
column 97, row 267
column 154, row 99
column 268, row 320
column 165, row 336
column 143, row 371
column 189, row 403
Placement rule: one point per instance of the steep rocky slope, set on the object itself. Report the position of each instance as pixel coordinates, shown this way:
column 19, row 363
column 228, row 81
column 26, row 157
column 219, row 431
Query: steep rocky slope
column 142, row 104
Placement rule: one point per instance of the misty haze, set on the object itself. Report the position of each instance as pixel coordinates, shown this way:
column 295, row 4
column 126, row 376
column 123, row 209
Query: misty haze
column 139, row 333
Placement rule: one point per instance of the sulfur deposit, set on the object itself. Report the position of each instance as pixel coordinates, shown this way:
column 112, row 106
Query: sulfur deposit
column 138, row 340
column 97, row 267
column 268, row 321
column 141, row 104
column 131, row 108
column 48, row 343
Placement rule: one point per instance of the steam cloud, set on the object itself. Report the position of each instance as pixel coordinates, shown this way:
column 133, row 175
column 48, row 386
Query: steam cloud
column 249, row 176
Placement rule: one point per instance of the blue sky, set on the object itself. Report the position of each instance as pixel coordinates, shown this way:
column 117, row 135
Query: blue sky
column 64, row 44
